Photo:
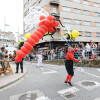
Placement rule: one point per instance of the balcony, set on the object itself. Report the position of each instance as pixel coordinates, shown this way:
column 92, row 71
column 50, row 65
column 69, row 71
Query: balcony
column 56, row 14
column 54, row 2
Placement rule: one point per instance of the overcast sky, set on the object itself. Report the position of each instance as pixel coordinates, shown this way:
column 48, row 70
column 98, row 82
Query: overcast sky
column 13, row 12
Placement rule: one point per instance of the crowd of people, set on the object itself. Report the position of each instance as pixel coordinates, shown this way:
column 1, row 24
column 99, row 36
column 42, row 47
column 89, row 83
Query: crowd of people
column 89, row 51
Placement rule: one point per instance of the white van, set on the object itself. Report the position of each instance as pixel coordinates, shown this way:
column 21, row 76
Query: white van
column 11, row 50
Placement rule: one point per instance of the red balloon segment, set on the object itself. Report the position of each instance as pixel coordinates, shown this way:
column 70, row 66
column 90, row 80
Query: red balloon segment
column 47, row 23
column 42, row 17
column 20, row 54
column 50, row 29
column 35, row 37
column 28, row 46
column 23, row 49
column 31, row 41
column 18, row 59
column 50, row 18
column 41, row 30
column 41, row 23
column 39, row 34
column 44, row 27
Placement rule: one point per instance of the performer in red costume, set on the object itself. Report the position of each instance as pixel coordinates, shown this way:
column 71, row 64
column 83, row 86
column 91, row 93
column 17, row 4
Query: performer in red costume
column 69, row 64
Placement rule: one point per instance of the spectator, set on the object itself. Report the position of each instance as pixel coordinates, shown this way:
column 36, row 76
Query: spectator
column 2, row 53
column 13, row 56
column 88, row 51
column 49, row 54
column 39, row 59
column 80, row 45
column 83, row 53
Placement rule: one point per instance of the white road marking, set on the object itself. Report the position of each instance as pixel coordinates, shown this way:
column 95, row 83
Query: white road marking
column 88, row 73
column 42, row 98
column 28, row 95
column 48, row 71
column 98, row 70
column 71, row 90
column 97, row 98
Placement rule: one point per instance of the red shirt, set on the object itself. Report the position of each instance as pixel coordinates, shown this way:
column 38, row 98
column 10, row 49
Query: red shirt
column 70, row 55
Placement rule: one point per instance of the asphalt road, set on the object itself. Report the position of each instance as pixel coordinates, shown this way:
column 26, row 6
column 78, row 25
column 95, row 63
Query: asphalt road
column 47, row 83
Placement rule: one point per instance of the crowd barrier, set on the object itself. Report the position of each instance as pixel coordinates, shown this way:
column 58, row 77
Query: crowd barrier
column 5, row 67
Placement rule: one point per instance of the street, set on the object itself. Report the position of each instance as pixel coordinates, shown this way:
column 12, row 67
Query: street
column 47, row 83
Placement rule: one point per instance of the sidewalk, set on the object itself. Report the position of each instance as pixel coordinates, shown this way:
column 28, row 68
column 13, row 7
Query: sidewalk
column 9, row 78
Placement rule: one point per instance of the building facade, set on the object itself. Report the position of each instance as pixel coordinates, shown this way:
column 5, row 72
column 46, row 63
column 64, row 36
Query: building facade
column 7, row 39
column 81, row 15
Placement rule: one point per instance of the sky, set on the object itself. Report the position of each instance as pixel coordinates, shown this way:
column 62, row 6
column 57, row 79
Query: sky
column 12, row 10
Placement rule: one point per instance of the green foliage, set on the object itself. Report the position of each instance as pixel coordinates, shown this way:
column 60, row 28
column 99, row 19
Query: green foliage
column 84, row 63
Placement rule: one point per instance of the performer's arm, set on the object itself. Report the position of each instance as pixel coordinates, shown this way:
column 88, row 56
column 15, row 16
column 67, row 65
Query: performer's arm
column 74, row 59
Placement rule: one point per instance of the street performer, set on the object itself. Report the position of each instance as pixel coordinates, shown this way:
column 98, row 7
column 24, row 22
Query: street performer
column 69, row 64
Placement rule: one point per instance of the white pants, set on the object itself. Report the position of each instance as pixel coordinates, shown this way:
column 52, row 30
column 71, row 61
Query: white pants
column 39, row 62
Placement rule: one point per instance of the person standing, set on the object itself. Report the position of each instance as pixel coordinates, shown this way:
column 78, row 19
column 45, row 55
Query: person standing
column 21, row 63
column 21, row 66
column 2, row 53
column 39, row 59
column 69, row 64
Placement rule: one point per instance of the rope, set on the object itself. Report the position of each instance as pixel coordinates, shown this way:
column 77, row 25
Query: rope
column 68, row 44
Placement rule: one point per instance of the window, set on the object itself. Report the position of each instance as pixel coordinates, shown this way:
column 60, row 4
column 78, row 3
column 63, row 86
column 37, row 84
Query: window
column 53, row 10
column 85, row 2
column 80, row 33
column 67, row 21
column 88, row 34
column 86, row 12
column 77, row 11
column 98, row 24
column 97, row 34
column 96, row 5
column 78, row 1
column 67, row 9
column 97, row 14
column 87, row 23
column 78, row 22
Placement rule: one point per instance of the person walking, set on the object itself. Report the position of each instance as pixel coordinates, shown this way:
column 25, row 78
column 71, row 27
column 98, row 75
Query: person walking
column 69, row 64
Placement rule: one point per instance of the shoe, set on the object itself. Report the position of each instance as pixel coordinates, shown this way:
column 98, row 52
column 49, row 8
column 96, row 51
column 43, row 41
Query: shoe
column 70, row 83
column 22, row 71
column 65, row 82
column 16, row 72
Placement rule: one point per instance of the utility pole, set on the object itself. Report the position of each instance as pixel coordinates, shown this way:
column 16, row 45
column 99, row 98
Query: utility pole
column 18, row 34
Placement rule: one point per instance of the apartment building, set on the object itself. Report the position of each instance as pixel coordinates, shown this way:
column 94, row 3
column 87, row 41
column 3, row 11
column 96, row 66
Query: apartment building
column 81, row 15
column 7, row 39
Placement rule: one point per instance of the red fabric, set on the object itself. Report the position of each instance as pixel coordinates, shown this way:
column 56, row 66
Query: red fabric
column 70, row 55
column 70, row 77
column 67, row 78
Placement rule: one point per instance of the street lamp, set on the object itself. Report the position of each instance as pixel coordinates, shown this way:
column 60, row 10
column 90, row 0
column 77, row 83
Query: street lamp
column 18, row 34
column 5, row 29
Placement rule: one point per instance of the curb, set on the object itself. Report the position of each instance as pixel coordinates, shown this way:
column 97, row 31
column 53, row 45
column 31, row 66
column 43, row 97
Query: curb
column 4, row 85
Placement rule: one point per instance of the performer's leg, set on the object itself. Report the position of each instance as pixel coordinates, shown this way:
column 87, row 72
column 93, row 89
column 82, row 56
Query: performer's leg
column 70, row 77
column 67, row 78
